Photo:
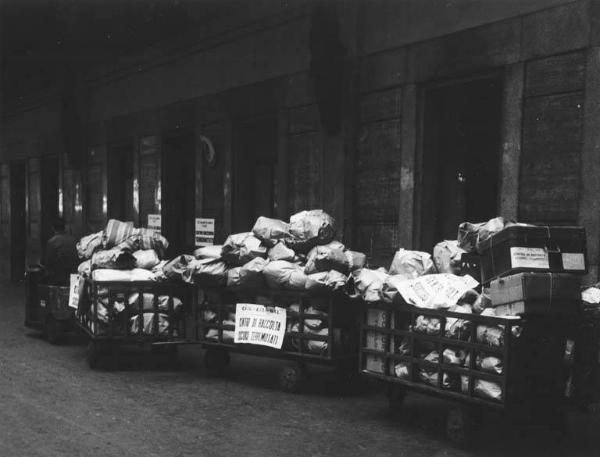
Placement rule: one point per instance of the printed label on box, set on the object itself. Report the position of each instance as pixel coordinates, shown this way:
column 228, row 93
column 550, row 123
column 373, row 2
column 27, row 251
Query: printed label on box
column 529, row 258
column 258, row 324
column 573, row 261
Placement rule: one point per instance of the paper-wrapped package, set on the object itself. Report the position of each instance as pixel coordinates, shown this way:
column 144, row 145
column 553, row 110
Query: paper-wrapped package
column 446, row 256
column 270, row 231
column 411, row 264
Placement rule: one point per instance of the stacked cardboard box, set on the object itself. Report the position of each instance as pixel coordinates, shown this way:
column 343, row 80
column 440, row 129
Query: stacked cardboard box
column 534, row 270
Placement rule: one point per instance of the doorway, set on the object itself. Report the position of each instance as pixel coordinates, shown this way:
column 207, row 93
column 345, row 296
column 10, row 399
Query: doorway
column 17, row 221
column 119, row 185
column 461, row 147
column 178, row 193
column 255, row 165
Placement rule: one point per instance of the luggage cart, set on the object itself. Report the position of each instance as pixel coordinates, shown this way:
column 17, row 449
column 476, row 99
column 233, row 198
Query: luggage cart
column 531, row 383
column 47, row 306
column 336, row 348
column 112, row 317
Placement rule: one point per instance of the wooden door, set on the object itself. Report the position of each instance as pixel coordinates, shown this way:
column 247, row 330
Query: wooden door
column 255, row 161
column 461, row 146
column 178, row 193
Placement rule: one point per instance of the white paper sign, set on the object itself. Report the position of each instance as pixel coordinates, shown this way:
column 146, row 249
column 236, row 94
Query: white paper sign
column 205, row 232
column 258, row 324
column 529, row 258
column 434, row 291
column 155, row 222
column 573, row 261
column 74, row 291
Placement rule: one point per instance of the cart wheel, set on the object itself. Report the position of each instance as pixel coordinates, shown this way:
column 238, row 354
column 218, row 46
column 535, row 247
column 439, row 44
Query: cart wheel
column 292, row 378
column 53, row 330
column 460, row 426
column 93, row 354
column 396, row 396
column 216, row 359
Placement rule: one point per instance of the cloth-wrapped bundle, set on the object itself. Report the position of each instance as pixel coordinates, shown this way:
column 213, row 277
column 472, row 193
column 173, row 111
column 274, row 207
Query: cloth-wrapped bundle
column 411, row 264
column 327, row 257
column 144, row 239
column 87, row 245
column 115, row 259
column 281, row 252
column 116, row 232
column 489, row 363
column 285, row 275
column 148, row 326
column 85, row 268
column 309, row 228
column 270, row 231
column 326, row 280
column 134, row 275
column 313, row 346
column 241, row 248
column 458, row 328
column 469, row 235
column 208, row 272
column 146, row 258
column 249, row 275
column 209, row 252
column 446, row 256
column 430, row 376
column 162, row 302
column 488, row 389
column 369, row 283
column 179, row 267
column 356, row 260
column 228, row 335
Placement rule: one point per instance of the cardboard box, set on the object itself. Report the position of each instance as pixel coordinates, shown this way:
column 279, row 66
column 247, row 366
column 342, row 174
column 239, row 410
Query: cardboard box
column 538, row 293
column 531, row 248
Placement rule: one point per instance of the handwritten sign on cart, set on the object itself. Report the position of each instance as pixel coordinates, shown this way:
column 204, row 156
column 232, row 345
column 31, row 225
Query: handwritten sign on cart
column 258, row 324
column 75, row 290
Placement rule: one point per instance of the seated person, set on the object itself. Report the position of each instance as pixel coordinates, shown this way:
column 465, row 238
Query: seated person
column 61, row 257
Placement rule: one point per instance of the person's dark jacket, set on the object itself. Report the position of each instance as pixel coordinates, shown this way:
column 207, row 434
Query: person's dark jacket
column 61, row 258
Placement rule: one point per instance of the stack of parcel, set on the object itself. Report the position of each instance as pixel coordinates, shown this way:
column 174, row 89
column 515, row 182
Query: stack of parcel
column 495, row 341
column 129, row 294
column 278, row 291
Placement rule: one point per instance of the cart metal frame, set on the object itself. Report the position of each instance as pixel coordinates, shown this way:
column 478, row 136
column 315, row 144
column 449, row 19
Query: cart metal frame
column 540, row 337
column 341, row 339
column 116, row 330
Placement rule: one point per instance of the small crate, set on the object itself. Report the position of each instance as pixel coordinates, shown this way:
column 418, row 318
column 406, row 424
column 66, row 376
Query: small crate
column 536, row 293
column 530, row 248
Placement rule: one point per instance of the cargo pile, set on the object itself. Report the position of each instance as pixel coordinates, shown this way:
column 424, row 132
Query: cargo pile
column 523, row 271
column 122, row 253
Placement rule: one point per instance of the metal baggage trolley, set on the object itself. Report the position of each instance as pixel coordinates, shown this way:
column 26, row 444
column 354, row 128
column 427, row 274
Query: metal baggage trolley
column 406, row 347
column 47, row 306
column 142, row 313
column 321, row 329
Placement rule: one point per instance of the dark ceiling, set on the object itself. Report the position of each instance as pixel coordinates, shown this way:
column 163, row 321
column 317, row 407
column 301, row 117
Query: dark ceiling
column 42, row 39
